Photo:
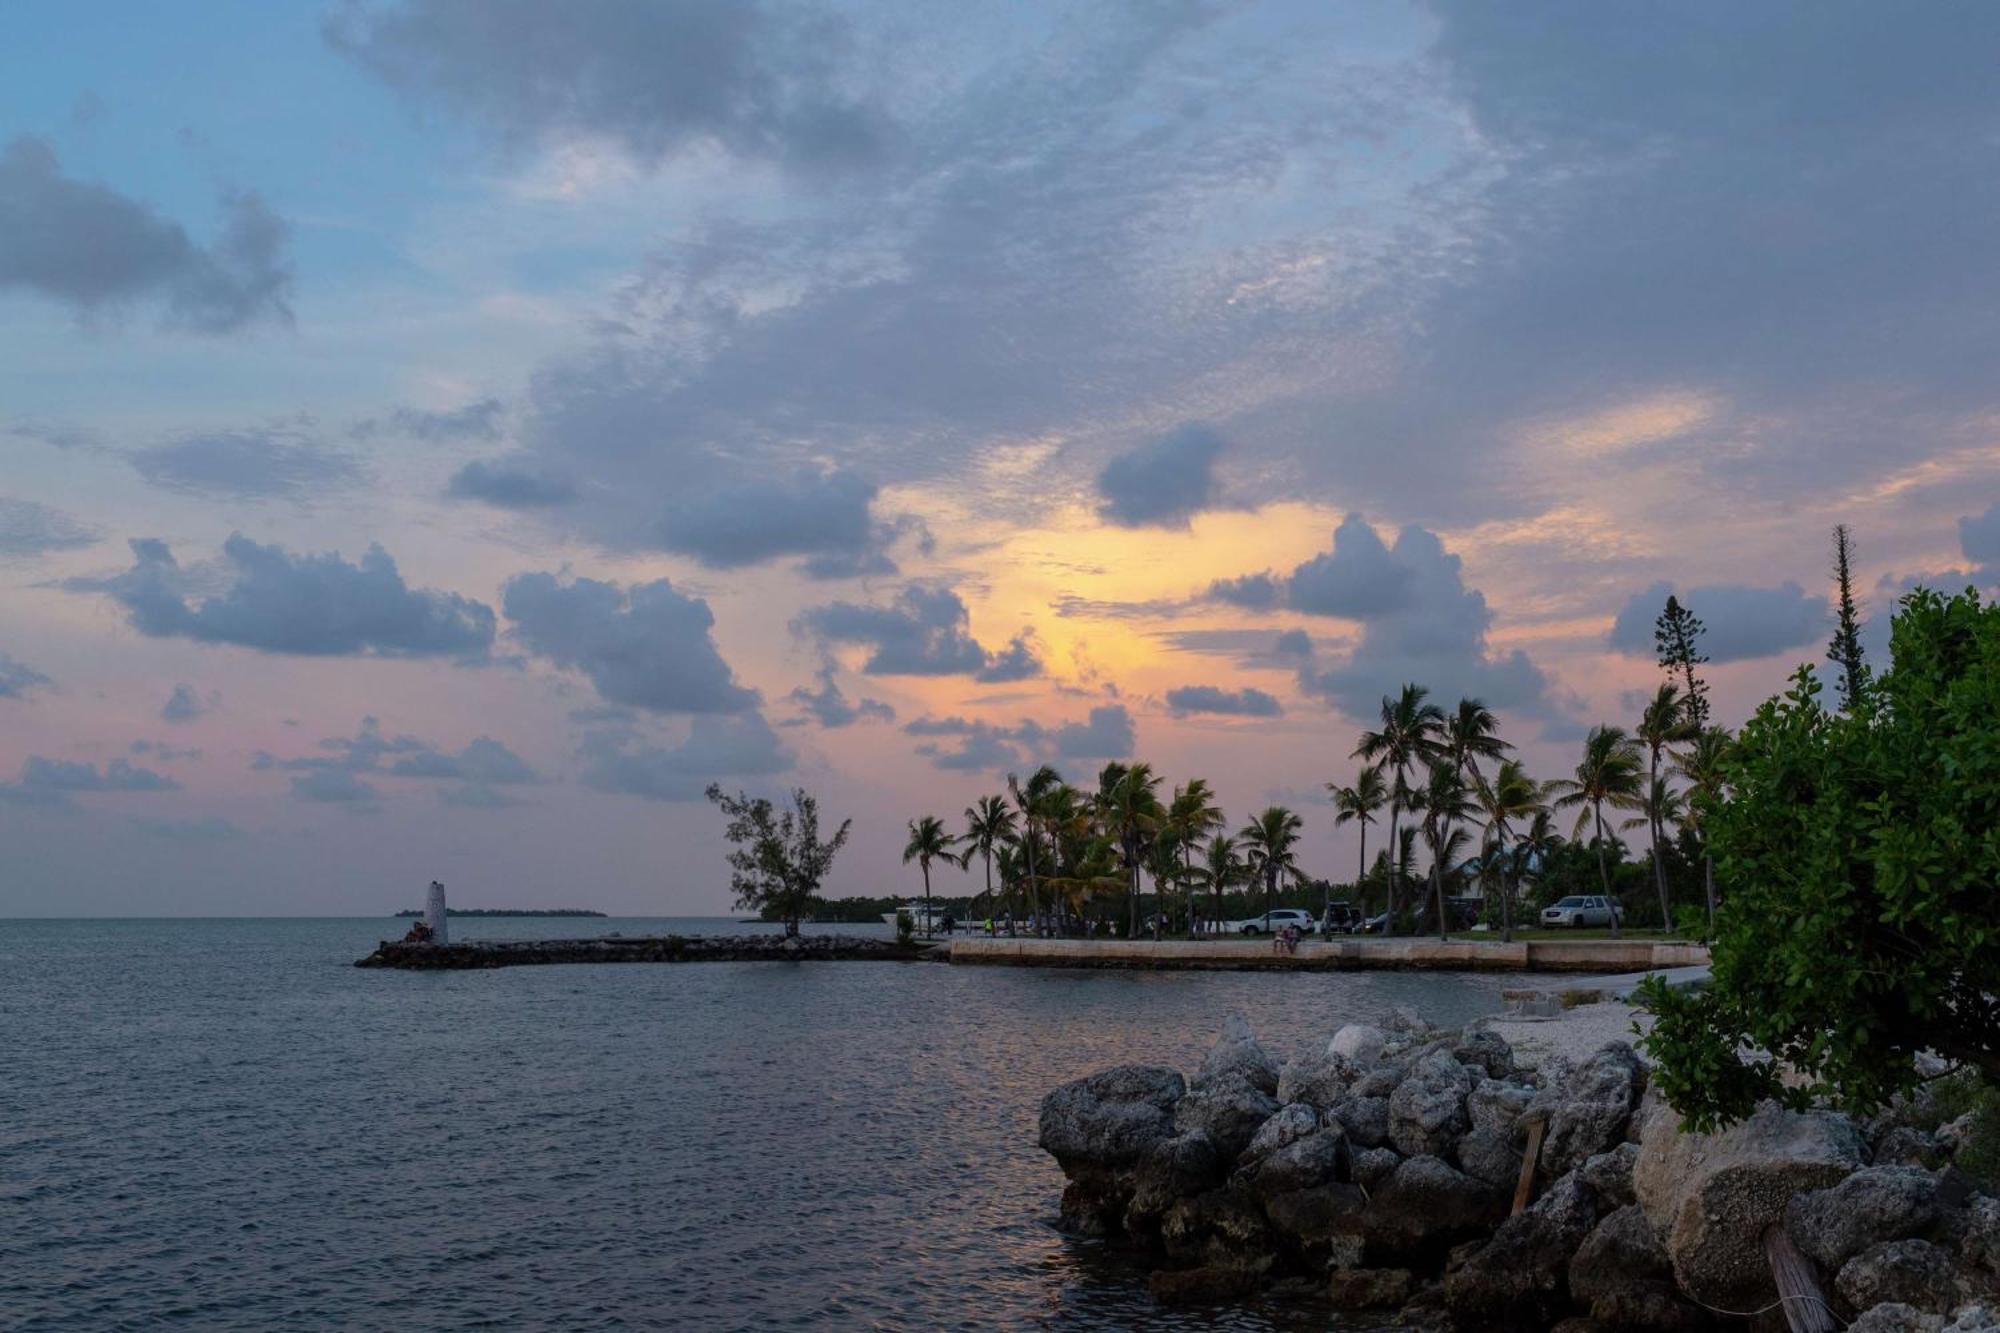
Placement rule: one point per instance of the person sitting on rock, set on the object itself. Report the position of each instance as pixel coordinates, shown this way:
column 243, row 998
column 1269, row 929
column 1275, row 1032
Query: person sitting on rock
column 420, row 932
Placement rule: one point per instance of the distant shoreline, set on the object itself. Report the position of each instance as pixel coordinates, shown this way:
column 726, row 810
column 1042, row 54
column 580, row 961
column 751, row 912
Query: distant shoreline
column 509, row 911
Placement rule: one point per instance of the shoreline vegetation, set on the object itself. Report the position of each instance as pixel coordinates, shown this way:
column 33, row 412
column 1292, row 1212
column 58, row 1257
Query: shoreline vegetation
column 506, row 911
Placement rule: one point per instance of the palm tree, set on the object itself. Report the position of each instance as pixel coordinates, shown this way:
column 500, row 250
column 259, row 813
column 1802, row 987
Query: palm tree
column 1471, row 733
column 1267, row 841
column 1607, row 775
column 988, row 824
column 1028, row 798
column 1407, row 737
column 1191, row 816
column 1664, row 722
column 1701, row 764
column 1511, row 795
column 1357, row 805
column 1128, row 806
column 1663, row 807
column 1444, row 800
column 1537, row 842
column 1221, row 869
column 928, row 842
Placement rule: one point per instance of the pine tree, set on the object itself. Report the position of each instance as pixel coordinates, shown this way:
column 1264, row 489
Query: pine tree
column 1845, row 648
column 1677, row 636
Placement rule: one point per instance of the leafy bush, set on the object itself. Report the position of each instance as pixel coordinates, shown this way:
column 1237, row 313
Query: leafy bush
column 906, row 929
column 1858, row 855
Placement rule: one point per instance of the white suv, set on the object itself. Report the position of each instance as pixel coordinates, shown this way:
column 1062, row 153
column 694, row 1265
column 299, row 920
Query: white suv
column 1274, row 921
column 1579, row 910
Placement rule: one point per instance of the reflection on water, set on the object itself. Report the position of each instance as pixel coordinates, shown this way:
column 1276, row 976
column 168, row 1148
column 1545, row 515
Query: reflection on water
column 223, row 1122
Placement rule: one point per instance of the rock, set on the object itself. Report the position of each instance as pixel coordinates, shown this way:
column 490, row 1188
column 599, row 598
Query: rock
column 1896, row 1318
column 1222, row 1227
column 1491, row 1155
column 1493, row 1104
column 1976, row 1317
column 1980, row 1245
column 1621, row 1275
column 1287, row 1125
column 1873, row 1205
column 1318, row 1216
column 1711, row 1196
column 1427, row 1110
column 1238, row 1054
column 1345, row 1251
column 1370, row 1166
column 1520, row 1277
column 1907, row 1272
column 1427, row 1203
column 1953, row 1135
column 1589, row 1109
column 1368, row 1288
column 1292, row 1152
column 1905, row 1145
column 1486, row 1050
column 1609, row 1175
column 1206, row 1285
column 1317, row 1079
column 1358, row 1043
column 1365, row 1120
column 1379, row 1080
column 1577, row 1324
column 1110, row 1118
column 1171, row 1169
column 1230, row 1109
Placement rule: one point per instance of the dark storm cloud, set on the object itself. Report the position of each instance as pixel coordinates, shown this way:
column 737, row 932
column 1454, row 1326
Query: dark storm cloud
column 53, row 781
column 716, row 748
column 511, row 484
column 1164, row 482
column 649, row 646
column 184, row 705
column 281, row 463
column 1740, row 622
column 1107, row 733
column 1419, row 622
column 925, row 631
column 28, row 529
column 18, row 679
column 828, row 706
column 658, row 77
column 1246, row 702
column 94, row 250
column 311, row 605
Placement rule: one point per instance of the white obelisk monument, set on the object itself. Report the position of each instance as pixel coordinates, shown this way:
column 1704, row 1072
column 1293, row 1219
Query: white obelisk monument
column 434, row 915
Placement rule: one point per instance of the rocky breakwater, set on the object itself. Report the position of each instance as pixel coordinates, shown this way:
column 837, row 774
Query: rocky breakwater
column 639, row 949
column 1389, row 1163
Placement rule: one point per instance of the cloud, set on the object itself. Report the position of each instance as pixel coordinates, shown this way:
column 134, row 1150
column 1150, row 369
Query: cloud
column 924, row 631
column 18, row 679
column 480, row 420
column 508, row 484
column 655, row 78
column 28, row 529
column 482, row 767
column 95, row 250
column 184, row 705
column 333, row 786
column 1246, row 702
column 279, row 463
column 1107, row 733
column 812, row 512
column 1979, row 540
column 310, row 605
column 53, row 781
column 830, row 708
column 625, row 762
column 163, row 751
column 1741, row 622
column 649, row 646
column 484, row 762
column 1164, row 482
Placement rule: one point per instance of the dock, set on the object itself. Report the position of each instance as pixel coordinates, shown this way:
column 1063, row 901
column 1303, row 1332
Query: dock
column 472, row 955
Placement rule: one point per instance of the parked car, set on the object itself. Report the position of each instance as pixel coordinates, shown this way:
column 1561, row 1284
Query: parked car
column 1273, row 921
column 1375, row 925
column 1342, row 918
column 1459, row 914
column 1580, row 910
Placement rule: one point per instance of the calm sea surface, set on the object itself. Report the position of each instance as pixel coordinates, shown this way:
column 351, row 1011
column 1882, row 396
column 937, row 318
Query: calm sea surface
column 223, row 1125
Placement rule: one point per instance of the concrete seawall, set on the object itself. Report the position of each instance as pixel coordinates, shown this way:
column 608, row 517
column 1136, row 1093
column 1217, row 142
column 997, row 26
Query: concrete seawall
column 1589, row 956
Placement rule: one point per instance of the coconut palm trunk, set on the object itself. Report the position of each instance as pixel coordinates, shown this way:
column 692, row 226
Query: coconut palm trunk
column 1603, row 873
column 1658, row 831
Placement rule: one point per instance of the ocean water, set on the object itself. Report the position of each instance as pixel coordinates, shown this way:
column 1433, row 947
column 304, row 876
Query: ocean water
column 222, row 1124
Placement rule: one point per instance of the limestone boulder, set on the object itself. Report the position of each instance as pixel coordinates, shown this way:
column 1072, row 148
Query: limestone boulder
column 1486, row 1051
column 1496, row 1104
column 1519, row 1279
column 1111, row 1118
column 1906, row 1145
column 1222, row 1228
column 1169, row 1170
column 1427, row 1114
column 1359, row 1044
column 1228, row 1108
column 1589, row 1110
column 1621, row 1274
column 1894, row 1317
column 1710, row 1197
column 1980, row 1244
column 1369, row 1167
column 1609, row 1175
column 1238, row 1054
column 1317, row 1079
column 1426, row 1203
column 1875, row 1204
column 1368, row 1288
column 1905, row 1272
column 1491, row 1155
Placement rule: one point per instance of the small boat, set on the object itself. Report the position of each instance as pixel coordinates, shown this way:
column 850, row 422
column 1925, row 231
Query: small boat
column 927, row 921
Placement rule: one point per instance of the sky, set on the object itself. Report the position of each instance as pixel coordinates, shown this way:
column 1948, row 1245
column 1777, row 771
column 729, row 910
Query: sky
column 440, row 437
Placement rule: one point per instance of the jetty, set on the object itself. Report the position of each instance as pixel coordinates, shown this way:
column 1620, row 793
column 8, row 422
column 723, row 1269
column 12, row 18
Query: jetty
column 479, row 954
column 1353, row 953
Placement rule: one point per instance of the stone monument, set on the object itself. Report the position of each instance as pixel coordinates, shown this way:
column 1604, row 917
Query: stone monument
column 434, row 915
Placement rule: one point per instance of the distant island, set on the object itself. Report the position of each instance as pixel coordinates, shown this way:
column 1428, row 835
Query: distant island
column 510, row 911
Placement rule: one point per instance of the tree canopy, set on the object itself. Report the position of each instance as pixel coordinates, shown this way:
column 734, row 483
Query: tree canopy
column 1861, row 851
column 779, row 860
